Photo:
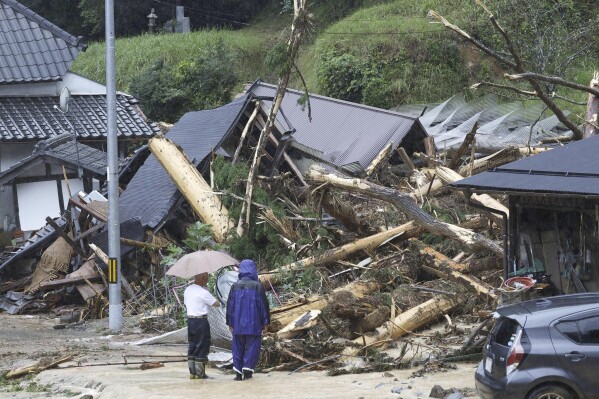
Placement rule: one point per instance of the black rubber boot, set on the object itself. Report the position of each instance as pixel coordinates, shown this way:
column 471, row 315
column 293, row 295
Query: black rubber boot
column 201, row 370
column 247, row 374
column 238, row 377
column 192, row 370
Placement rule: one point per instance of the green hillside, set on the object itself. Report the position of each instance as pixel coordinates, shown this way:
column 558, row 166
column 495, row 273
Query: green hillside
column 381, row 53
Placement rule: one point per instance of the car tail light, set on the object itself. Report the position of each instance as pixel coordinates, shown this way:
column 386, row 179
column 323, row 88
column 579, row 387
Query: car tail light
column 515, row 354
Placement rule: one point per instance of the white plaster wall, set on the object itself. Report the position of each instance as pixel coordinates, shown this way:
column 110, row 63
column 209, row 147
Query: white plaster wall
column 40, row 199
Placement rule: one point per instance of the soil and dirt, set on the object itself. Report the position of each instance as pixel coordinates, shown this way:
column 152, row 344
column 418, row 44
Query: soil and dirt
column 28, row 338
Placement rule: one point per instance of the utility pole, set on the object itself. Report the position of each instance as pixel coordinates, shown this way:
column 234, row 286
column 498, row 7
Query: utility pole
column 115, row 302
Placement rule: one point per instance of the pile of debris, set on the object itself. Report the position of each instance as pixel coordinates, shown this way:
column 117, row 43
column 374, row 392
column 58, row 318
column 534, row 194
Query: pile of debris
column 360, row 244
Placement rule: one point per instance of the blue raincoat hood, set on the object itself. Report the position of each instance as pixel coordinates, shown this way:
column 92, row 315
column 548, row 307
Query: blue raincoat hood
column 247, row 269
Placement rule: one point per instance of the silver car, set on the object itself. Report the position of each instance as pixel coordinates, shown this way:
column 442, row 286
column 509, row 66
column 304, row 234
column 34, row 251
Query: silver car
column 543, row 349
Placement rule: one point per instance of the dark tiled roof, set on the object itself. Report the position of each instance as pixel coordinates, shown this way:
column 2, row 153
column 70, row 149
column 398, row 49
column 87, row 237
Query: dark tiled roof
column 35, row 118
column 33, row 49
column 346, row 134
column 151, row 194
column 61, row 150
column 572, row 169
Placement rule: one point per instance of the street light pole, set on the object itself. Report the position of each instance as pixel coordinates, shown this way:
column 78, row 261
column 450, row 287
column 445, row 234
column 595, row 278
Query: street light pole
column 115, row 308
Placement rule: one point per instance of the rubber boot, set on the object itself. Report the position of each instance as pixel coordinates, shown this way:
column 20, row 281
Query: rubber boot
column 238, row 377
column 200, row 368
column 192, row 370
column 247, row 374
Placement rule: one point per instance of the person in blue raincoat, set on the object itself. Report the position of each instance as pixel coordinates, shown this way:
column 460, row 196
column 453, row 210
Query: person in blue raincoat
column 248, row 314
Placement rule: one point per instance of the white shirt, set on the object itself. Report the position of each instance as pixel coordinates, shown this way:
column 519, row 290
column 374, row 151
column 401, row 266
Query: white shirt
column 197, row 300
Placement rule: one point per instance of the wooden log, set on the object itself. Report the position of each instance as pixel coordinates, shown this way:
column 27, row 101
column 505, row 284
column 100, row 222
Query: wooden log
column 405, row 158
column 447, row 175
column 494, row 160
column 591, row 127
column 456, row 158
column 143, row 245
column 379, row 159
column 471, row 240
column 245, row 131
column 443, row 267
column 431, row 151
column 407, row 230
column 280, row 317
column 192, row 185
column 406, row 322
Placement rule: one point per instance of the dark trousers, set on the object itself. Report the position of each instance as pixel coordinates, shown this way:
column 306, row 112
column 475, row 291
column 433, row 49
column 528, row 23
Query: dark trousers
column 246, row 352
column 198, row 334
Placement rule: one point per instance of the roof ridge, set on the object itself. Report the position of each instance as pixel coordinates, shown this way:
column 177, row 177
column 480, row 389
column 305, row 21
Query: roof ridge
column 75, row 41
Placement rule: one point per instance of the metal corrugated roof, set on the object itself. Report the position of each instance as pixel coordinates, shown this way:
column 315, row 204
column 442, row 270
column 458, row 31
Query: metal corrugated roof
column 35, row 118
column 151, row 194
column 32, row 49
column 347, row 134
column 572, row 169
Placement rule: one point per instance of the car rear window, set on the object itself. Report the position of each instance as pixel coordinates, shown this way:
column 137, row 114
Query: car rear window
column 569, row 329
column 505, row 330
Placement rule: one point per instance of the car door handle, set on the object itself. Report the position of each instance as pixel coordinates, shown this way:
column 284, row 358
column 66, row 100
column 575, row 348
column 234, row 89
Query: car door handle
column 575, row 356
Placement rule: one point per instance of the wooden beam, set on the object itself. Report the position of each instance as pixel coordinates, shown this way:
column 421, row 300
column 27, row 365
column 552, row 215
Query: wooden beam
column 406, row 159
column 66, row 237
column 67, row 281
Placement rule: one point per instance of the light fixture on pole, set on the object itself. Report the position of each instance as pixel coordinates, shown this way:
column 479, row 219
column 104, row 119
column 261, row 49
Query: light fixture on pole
column 63, row 106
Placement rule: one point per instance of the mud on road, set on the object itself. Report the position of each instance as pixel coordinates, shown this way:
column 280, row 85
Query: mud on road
column 26, row 339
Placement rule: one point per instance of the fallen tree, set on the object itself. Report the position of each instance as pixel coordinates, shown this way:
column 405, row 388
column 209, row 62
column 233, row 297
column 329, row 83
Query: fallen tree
column 192, row 185
column 403, row 202
column 407, row 230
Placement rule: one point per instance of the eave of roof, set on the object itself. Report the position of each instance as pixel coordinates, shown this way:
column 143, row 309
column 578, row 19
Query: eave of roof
column 78, row 155
column 26, row 119
column 569, row 170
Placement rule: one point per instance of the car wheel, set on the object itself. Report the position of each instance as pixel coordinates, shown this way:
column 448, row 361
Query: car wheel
column 551, row 392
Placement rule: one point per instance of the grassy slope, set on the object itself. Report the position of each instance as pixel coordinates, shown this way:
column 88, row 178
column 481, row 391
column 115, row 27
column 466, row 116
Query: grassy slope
column 379, row 27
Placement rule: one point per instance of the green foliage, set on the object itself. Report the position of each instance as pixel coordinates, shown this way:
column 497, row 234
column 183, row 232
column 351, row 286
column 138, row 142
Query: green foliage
column 200, row 236
column 400, row 58
column 173, row 253
column 277, row 59
column 261, row 242
column 166, row 92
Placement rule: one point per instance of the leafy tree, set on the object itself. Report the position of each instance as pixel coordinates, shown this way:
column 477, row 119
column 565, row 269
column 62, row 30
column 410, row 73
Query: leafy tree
column 166, row 92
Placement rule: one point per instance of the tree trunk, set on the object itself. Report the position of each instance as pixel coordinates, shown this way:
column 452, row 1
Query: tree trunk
column 297, row 28
column 406, row 230
column 471, row 240
column 192, row 185
column 443, row 267
column 284, row 315
column 591, row 127
column 494, row 160
column 447, row 175
column 408, row 321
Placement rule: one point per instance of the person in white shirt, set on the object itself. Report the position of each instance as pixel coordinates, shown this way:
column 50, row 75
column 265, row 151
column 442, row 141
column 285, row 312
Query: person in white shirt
column 197, row 301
